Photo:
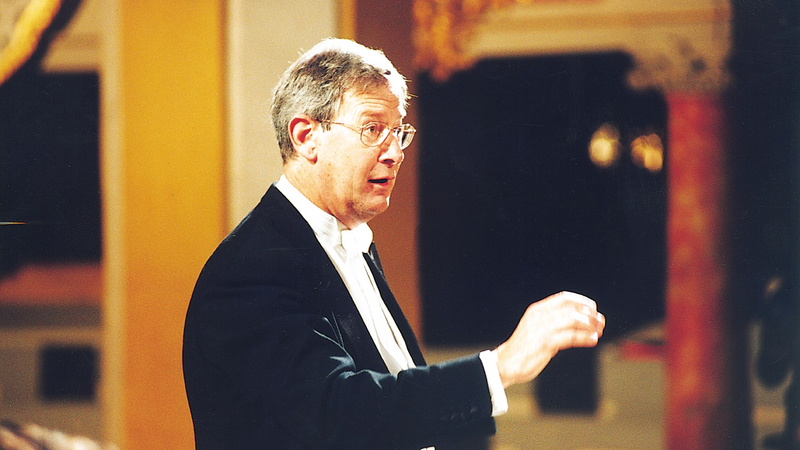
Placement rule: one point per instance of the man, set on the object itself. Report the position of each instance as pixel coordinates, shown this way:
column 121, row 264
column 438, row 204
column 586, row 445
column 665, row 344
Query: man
column 293, row 339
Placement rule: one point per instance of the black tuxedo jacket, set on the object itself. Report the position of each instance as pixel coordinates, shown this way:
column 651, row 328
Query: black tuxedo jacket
column 276, row 355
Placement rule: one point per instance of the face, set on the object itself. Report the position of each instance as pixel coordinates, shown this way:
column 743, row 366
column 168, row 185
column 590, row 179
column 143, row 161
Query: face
column 356, row 181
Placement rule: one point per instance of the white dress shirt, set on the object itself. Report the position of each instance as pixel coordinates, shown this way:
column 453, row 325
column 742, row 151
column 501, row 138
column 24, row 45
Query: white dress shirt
column 346, row 250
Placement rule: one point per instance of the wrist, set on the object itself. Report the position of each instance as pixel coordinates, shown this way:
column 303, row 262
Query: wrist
column 506, row 377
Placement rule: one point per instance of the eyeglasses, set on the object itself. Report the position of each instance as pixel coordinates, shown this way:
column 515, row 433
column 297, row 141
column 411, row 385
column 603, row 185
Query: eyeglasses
column 374, row 134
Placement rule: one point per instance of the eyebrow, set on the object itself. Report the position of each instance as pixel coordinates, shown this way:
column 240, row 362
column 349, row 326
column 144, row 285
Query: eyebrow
column 373, row 116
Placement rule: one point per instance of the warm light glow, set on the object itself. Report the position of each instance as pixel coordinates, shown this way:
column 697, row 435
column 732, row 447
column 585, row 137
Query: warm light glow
column 604, row 148
column 648, row 152
column 774, row 285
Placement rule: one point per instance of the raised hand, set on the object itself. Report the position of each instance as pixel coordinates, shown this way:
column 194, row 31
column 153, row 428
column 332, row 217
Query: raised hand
column 558, row 322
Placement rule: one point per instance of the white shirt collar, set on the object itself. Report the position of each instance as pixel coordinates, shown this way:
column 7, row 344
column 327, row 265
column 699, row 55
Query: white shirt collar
column 345, row 249
column 326, row 227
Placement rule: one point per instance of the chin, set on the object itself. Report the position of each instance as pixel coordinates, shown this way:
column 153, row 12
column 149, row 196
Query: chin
column 378, row 207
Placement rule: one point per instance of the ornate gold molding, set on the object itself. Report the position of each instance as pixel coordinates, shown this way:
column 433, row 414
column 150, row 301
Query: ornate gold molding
column 679, row 66
column 20, row 36
column 675, row 45
column 442, row 29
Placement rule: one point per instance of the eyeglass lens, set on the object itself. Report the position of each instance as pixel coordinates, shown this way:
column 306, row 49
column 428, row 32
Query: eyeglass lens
column 375, row 133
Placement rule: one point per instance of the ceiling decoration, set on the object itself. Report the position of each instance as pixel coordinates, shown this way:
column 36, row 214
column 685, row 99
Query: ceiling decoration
column 443, row 26
column 676, row 45
column 22, row 23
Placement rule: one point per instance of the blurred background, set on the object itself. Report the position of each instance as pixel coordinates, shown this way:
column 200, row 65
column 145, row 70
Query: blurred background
column 643, row 153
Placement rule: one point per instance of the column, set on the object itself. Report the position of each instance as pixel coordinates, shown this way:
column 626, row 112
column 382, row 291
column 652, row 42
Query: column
column 702, row 351
column 707, row 398
column 163, row 181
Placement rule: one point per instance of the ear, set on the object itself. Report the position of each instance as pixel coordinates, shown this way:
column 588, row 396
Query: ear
column 302, row 131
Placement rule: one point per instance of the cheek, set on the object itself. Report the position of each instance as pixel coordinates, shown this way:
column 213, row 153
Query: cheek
column 346, row 170
column 343, row 179
column 355, row 170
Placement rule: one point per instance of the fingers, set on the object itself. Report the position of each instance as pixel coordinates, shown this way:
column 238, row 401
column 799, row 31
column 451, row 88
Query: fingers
column 574, row 337
column 581, row 330
column 559, row 322
column 572, row 297
column 601, row 324
column 590, row 318
column 585, row 310
column 567, row 320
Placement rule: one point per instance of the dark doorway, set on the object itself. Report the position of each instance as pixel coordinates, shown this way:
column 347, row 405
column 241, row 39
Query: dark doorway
column 49, row 177
column 513, row 209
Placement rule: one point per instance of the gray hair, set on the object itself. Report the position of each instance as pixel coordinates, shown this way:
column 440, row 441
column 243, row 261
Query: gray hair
column 316, row 83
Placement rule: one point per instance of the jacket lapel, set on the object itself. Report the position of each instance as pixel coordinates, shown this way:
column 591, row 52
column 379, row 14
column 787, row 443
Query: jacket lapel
column 333, row 299
column 374, row 263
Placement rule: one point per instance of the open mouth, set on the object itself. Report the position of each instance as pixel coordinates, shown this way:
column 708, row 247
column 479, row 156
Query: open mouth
column 379, row 181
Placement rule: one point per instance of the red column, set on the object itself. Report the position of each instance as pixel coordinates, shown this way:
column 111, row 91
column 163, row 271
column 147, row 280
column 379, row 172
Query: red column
column 702, row 353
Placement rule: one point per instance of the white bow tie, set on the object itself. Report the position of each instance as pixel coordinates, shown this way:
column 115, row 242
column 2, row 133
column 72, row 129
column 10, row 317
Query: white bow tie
column 357, row 240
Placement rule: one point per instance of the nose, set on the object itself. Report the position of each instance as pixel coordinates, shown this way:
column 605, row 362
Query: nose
column 391, row 153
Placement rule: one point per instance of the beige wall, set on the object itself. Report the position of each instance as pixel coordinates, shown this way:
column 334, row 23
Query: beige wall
column 262, row 37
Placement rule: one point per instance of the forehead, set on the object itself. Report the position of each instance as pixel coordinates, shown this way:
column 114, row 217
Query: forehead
column 374, row 103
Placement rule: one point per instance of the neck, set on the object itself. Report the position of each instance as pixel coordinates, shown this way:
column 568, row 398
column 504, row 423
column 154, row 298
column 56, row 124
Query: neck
column 304, row 182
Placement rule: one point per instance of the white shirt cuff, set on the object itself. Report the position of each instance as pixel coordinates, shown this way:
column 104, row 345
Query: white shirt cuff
column 496, row 390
